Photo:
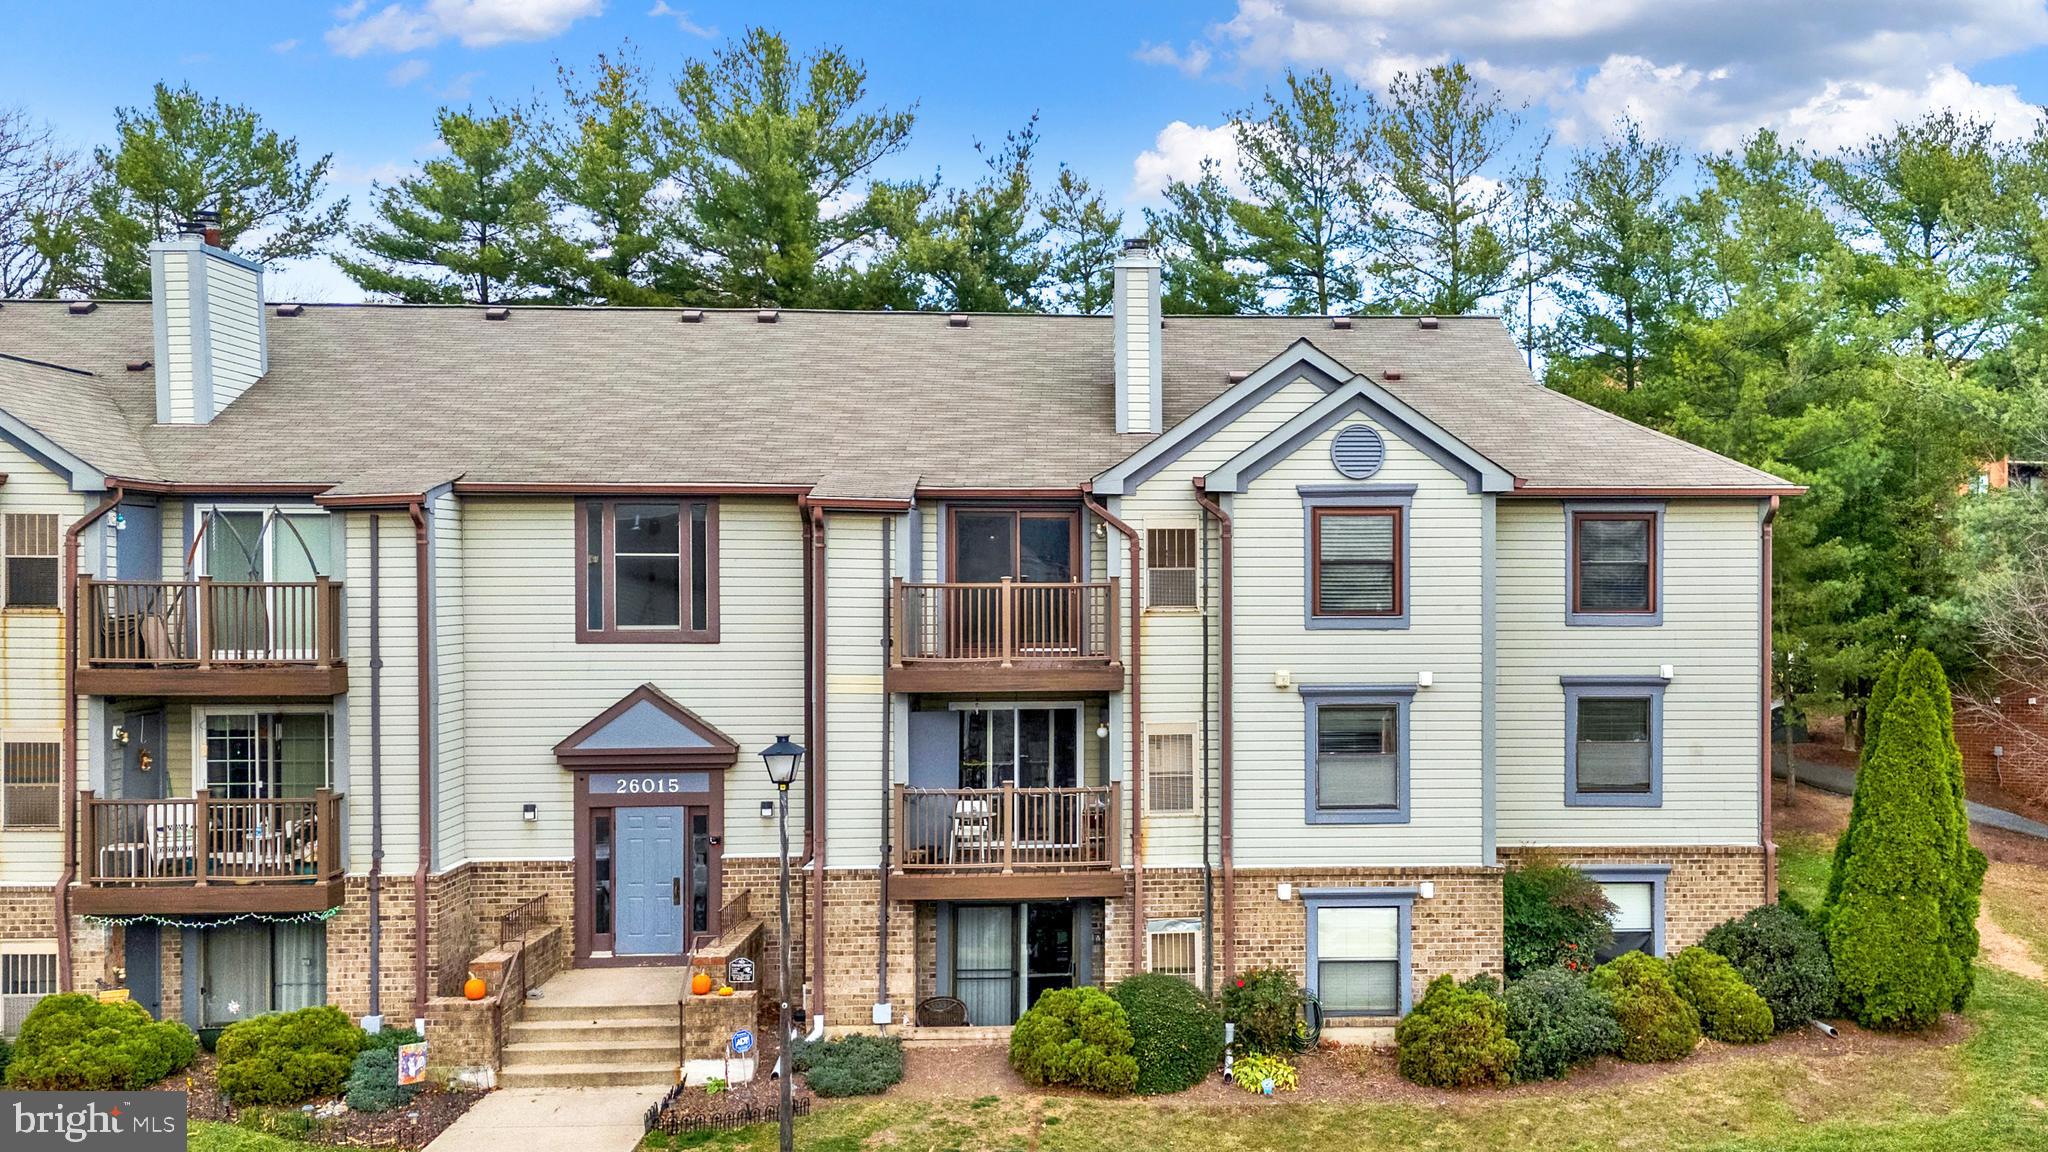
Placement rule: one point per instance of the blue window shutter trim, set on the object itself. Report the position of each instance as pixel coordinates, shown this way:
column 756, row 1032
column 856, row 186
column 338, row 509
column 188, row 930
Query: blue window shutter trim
column 1358, row 452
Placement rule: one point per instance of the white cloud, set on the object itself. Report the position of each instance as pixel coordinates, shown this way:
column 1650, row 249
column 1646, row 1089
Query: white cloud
column 407, row 72
column 284, row 46
column 1706, row 72
column 1192, row 62
column 458, row 89
column 1177, row 154
column 683, row 21
column 475, row 23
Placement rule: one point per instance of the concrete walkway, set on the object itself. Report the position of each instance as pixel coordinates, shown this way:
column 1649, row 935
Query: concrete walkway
column 551, row 1119
column 1842, row 782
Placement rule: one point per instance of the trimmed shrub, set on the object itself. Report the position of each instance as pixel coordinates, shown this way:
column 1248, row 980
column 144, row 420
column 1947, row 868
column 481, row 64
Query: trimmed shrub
column 6, row 1054
column 1076, row 1036
column 1178, row 1034
column 1485, row 983
column 1265, row 1004
column 1730, row 1010
column 1252, row 1072
column 288, row 1057
column 1553, row 914
column 1455, row 1038
column 391, row 1038
column 73, row 1043
column 1904, row 876
column 855, row 1065
column 373, row 1081
column 1779, row 954
column 1558, row 1022
column 1656, row 1022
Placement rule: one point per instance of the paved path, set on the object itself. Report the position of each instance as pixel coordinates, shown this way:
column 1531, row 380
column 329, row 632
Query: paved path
column 1842, row 782
column 551, row 1119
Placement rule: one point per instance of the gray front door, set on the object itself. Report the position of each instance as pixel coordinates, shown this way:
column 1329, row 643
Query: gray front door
column 650, row 882
column 142, row 954
column 143, row 771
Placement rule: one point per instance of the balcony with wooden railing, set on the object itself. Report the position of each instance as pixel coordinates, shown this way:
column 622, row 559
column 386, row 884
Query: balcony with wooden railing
column 1008, row 635
column 203, row 637
column 208, row 854
column 1008, row 842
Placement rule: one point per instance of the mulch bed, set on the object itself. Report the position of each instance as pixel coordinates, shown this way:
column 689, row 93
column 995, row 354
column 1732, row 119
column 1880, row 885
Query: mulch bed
column 412, row 1126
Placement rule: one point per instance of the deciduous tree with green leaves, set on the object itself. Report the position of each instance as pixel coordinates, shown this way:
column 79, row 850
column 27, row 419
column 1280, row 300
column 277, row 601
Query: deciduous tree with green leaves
column 464, row 227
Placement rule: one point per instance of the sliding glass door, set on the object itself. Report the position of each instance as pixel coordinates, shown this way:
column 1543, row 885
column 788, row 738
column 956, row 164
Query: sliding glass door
column 1031, row 747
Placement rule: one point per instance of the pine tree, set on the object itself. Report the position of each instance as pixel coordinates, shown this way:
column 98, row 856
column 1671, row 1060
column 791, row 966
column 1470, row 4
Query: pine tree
column 1892, row 928
column 1303, row 160
column 1200, row 244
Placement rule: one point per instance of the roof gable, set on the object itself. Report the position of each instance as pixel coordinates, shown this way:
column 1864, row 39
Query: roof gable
column 646, row 727
column 1360, row 395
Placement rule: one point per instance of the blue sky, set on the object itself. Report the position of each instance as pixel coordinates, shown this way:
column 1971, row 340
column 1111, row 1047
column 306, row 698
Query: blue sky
column 1127, row 93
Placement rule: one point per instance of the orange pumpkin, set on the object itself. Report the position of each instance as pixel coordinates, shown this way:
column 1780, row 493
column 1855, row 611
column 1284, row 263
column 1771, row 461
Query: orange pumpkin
column 700, row 983
column 473, row 988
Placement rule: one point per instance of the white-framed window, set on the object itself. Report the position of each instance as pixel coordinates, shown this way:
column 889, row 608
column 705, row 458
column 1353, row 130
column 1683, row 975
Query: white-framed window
column 1174, row 948
column 1171, row 568
column 1637, row 893
column 29, row 576
column 1358, row 949
column 1169, row 770
column 29, row 783
column 244, row 543
column 263, row 754
column 28, row 972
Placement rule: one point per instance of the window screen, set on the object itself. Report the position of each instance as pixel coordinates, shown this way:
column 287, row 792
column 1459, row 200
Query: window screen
column 1357, row 756
column 1170, row 771
column 29, row 784
column 1358, row 960
column 28, row 972
column 1175, row 947
column 1614, row 747
column 647, row 564
column 1357, row 561
column 1170, row 567
column 1614, row 563
column 29, row 544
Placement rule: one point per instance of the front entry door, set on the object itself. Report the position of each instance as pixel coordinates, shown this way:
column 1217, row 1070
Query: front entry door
column 143, row 771
column 650, row 882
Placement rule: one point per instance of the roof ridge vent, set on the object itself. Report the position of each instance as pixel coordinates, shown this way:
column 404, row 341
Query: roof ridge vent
column 692, row 316
column 1341, row 323
column 1426, row 323
column 291, row 309
column 768, row 315
column 499, row 313
column 82, row 307
column 958, row 320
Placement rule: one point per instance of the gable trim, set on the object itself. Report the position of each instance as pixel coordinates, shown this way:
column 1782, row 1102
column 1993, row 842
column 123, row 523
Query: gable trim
column 81, row 475
column 1300, row 360
column 718, row 750
column 1361, row 396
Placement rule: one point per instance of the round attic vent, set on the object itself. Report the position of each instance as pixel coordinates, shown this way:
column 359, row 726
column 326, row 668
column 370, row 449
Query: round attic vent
column 1358, row 451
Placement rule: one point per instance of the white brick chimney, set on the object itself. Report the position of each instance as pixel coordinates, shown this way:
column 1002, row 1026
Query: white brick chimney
column 1137, row 320
column 210, row 335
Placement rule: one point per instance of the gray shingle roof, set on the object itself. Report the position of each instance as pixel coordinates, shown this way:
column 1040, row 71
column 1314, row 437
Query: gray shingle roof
column 862, row 404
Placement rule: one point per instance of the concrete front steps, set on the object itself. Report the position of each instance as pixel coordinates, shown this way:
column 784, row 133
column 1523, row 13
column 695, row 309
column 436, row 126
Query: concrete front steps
column 575, row 1036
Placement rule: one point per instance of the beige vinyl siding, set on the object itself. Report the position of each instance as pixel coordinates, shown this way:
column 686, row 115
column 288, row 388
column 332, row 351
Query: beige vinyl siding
column 172, row 514
column 397, row 596
column 1173, row 637
column 32, row 654
column 177, row 368
column 234, row 332
column 854, row 772
column 1444, row 531
column 1709, row 636
column 527, row 684
column 450, row 683
column 1139, row 283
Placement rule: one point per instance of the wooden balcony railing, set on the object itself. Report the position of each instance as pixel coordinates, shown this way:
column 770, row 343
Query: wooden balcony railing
column 1009, row 829
column 157, row 846
column 1006, row 623
column 206, row 624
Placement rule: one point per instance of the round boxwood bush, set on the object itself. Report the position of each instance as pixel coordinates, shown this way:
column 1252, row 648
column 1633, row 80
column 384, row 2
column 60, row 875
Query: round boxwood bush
column 1265, row 1004
column 1178, row 1033
column 1552, row 914
column 288, row 1057
column 71, row 1042
column 1656, row 1022
column 1779, row 954
column 1730, row 1011
column 1558, row 1022
column 855, row 1065
column 373, row 1081
column 1076, row 1036
column 1455, row 1038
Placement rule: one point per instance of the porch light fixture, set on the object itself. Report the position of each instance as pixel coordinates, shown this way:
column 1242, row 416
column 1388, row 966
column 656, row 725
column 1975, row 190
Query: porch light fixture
column 529, row 812
column 782, row 759
column 767, row 809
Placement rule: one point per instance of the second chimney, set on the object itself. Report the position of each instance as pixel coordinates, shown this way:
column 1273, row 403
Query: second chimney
column 1136, row 313
column 211, row 340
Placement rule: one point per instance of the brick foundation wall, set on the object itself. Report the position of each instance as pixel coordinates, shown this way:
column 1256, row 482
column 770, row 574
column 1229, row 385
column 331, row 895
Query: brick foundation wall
column 759, row 878
column 1706, row 885
column 851, row 950
column 2011, row 726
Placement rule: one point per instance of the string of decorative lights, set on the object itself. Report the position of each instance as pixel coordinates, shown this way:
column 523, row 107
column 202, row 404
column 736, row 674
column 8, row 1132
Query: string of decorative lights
column 221, row 922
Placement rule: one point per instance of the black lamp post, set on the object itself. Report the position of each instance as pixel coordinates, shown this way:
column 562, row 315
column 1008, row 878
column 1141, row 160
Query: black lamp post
column 783, row 758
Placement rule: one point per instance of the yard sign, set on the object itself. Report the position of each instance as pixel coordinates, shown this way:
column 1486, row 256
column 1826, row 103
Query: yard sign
column 412, row 1062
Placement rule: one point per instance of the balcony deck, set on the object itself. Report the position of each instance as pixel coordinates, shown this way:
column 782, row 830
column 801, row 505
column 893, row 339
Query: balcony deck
column 1007, row 843
column 201, row 638
column 206, row 855
column 1006, row 636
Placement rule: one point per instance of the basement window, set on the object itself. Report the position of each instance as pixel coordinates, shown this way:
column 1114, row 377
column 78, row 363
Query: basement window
column 28, row 972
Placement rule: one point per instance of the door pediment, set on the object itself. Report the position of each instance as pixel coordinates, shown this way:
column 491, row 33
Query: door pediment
column 647, row 729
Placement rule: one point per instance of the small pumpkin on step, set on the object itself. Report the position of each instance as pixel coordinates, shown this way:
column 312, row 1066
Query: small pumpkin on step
column 700, row 983
column 473, row 988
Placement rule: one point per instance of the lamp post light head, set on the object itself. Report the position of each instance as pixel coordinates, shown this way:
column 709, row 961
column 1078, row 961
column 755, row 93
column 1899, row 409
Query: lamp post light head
column 782, row 758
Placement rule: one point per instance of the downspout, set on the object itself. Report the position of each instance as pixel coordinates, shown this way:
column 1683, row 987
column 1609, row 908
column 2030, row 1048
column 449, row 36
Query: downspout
column 1770, row 849
column 1223, row 703
column 67, row 642
column 376, row 770
column 423, row 656
column 1137, row 772
column 816, row 759
column 888, row 765
column 1208, row 743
